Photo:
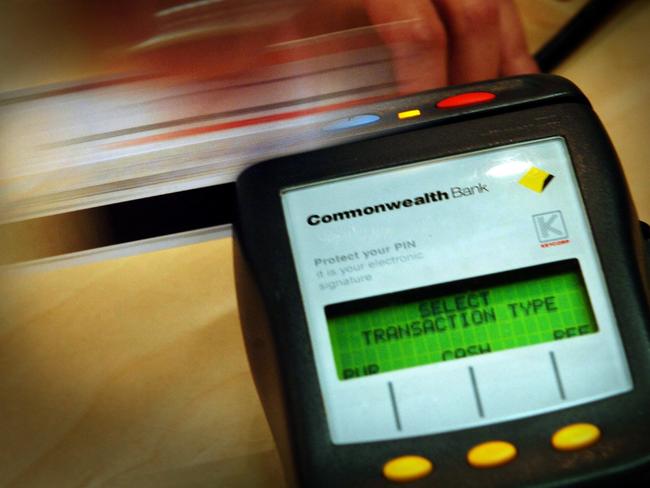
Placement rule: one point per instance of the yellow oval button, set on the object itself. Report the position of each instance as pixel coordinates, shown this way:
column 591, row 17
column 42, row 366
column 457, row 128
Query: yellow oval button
column 575, row 436
column 491, row 454
column 407, row 468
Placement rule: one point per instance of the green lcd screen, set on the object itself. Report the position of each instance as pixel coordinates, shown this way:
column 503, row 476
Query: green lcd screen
column 460, row 319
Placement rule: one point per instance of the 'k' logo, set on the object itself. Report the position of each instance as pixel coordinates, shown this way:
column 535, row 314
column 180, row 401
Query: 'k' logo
column 550, row 226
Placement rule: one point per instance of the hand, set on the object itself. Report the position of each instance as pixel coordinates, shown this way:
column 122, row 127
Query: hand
column 446, row 42
column 433, row 42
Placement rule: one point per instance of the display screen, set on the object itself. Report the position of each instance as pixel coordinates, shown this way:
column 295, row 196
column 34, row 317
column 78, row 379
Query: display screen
column 459, row 319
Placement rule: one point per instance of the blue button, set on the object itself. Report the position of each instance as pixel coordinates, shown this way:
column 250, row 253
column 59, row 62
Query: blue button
column 352, row 122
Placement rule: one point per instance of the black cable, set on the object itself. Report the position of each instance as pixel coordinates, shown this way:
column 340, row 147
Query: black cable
column 569, row 38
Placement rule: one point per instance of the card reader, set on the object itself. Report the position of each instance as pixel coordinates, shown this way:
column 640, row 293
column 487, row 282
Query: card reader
column 458, row 297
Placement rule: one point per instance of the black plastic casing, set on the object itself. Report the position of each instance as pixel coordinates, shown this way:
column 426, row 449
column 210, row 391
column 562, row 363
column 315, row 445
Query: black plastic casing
column 275, row 328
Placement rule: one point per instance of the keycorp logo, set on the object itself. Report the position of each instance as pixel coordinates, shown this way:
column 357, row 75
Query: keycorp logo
column 550, row 226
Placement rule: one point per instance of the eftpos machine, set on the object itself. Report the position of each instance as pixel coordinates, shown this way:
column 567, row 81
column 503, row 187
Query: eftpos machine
column 458, row 297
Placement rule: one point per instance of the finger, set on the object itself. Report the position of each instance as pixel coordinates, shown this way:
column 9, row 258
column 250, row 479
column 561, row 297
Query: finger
column 416, row 37
column 515, row 57
column 473, row 36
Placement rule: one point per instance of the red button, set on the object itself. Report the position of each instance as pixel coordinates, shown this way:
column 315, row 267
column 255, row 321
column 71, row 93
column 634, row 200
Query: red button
column 465, row 99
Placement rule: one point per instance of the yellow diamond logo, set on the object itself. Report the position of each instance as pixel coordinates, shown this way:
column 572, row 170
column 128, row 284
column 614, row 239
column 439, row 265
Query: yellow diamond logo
column 536, row 179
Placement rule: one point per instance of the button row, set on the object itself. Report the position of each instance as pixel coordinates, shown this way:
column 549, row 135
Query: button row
column 491, row 454
column 455, row 101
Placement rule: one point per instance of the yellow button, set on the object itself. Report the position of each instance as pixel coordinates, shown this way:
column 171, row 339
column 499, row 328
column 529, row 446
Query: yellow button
column 407, row 114
column 575, row 436
column 491, row 454
column 407, row 468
